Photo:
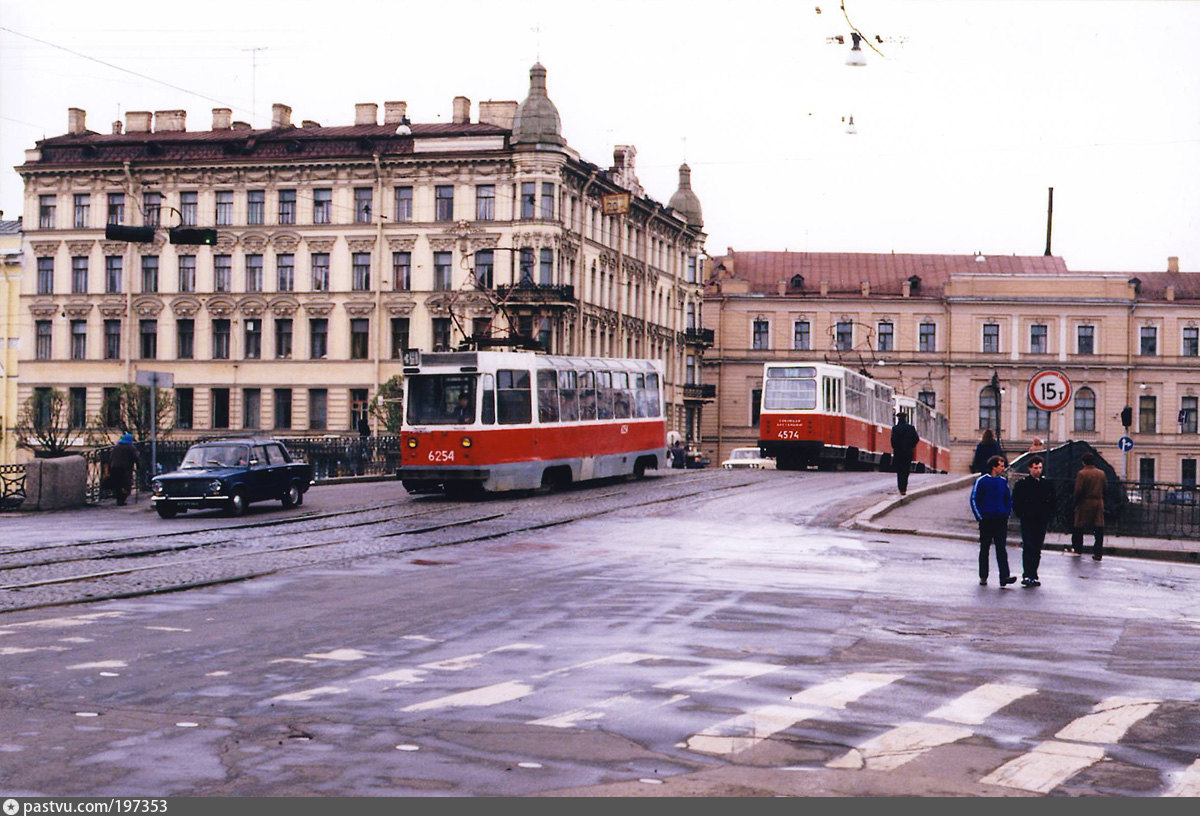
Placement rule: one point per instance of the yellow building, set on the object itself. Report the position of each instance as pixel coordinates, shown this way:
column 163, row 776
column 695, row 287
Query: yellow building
column 940, row 327
column 10, row 332
column 335, row 249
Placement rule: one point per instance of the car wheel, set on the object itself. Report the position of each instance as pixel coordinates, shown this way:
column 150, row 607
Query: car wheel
column 293, row 497
column 166, row 510
column 236, row 505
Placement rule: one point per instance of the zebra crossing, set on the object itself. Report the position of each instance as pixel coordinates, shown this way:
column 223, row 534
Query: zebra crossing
column 1077, row 745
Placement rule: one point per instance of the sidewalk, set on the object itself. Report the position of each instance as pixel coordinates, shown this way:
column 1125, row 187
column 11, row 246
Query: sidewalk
column 944, row 510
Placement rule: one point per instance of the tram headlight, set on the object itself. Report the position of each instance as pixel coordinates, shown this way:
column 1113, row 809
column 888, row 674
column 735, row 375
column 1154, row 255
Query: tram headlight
column 412, row 442
column 466, row 442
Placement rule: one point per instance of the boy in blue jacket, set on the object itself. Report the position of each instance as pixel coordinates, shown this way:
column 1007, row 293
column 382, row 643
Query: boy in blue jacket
column 991, row 502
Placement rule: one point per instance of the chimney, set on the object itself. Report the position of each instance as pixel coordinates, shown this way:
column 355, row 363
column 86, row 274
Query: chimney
column 781, row 287
column 500, row 114
column 1173, row 263
column 462, row 110
column 281, row 116
column 222, row 118
column 366, row 113
column 393, row 112
column 170, row 121
column 138, row 121
column 1170, row 293
column 76, row 121
column 117, row 128
column 824, row 288
column 906, row 289
column 866, row 288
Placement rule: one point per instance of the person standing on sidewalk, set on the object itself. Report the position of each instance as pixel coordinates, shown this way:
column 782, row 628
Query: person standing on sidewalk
column 991, row 502
column 121, row 462
column 1033, row 502
column 1089, row 507
column 904, row 445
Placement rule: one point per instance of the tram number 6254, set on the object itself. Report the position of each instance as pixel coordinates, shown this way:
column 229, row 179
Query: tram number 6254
column 441, row 456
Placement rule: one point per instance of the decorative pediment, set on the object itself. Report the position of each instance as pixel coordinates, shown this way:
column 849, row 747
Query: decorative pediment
column 284, row 306
column 319, row 244
column 219, row 306
column 185, row 306
column 45, row 247
column 185, row 249
column 285, row 241
column 439, row 304
column 80, row 247
column 113, row 247
column 112, row 307
column 252, row 307
column 254, row 241
column 399, row 308
column 443, row 244
column 225, row 242
column 401, row 243
column 358, row 308
column 320, row 308
column 45, row 309
column 360, row 243
column 147, row 306
column 152, row 248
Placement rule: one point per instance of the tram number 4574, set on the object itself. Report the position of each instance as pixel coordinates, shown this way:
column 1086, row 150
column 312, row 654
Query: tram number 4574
column 441, row 456
column 788, row 434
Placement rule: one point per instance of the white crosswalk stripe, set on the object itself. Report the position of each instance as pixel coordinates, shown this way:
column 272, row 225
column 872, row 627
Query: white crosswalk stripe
column 1110, row 720
column 1188, row 783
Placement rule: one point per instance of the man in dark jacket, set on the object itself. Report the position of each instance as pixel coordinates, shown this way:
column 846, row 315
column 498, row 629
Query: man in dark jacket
column 991, row 502
column 1033, row 502
column 904, row 444
column 121, row 461
column 1089, row 507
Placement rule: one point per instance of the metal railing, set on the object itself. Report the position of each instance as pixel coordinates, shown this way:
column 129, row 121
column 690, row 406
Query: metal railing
column 12, row 486
column 1158, row 510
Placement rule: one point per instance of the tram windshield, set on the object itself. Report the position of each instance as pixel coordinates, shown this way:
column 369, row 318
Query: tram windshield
column 441, row 399
column 790, row 394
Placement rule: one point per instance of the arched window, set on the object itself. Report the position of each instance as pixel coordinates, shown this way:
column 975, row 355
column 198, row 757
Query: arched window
column 989, row 408
column 1035, row 418
column 1085, row 409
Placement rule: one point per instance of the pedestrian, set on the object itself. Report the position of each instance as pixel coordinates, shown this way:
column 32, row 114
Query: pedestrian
column 1033, row 502
column 985, row 450
column 904, row 445
column 991, row 502
column 121, row 460
column 1037, row 444
column 678, row 455
column 1089, row 507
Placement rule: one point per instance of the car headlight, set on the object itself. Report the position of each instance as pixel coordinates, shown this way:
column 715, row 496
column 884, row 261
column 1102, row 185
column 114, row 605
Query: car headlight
column 158, row 488
column 215, row 486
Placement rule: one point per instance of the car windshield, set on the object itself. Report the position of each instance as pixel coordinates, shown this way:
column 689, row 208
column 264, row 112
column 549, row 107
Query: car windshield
column 745, row 453
column 216, row 456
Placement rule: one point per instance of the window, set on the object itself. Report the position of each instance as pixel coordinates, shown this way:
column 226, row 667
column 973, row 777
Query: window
column 116, row 208
column 481, row 327
column 152, row 209
column 283, row 408
column 1149, row 341
column 148, row 339
column 927, row 337
column 185, row 338
column 545, row 267
column 254, row 273
column 1085, row 409
column 149, row 273
column 402, row 271
column 253, row 350
column 691, row 269
column 801, row 335
column 320, row 271
column 547, row 199
column 47, row 212
column 441, row 270
column 287, row 206
column 113, row 267
column 1038, row 339
column 1146, row 471
column 251, row 407
column 484, row 269
column 1188, row 415
column 399, row 337
column 1035, row 418
column 83, row 207
column 991, row 338
column 362, row 205
column 528, row 199
column 1187, row 472
column 42, row 406
column 318, row 331
column 928, row 397
column 360, row 267
column 283, row 338
column 514, row 397
column 185, row 406
column 358, row 408
column 526, row 266
column 44, row 338
column 285, row 272
column 485, row 202
column 256, row 205
column 111, row 407
column 404, row 204
column 78, row 340
column 755, row 407
column 45, row 276
column 224, row 214
column 1191, row 341
column 79, row 275
column 220, row 338
column 360, row 330
column 989, row 408
column 77, row 412
column 318, row 409
column 441, row 334
column 689, row 319
column 220, row 408
column 887, row 336
column 187, row 273
column 443, row 200
column 1147, row 414
column 112, row 339
column 222, row 273
column 761, row 334
column 844, row 335
column 188, row 202
column 322, row 205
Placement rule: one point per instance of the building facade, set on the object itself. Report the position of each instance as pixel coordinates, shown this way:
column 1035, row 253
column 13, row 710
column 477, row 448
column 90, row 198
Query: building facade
column 10, row 327
column 941, row 327
column 336, row 249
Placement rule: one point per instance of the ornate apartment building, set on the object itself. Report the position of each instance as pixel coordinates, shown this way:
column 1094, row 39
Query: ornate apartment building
column 940, row 327
column 336, row 249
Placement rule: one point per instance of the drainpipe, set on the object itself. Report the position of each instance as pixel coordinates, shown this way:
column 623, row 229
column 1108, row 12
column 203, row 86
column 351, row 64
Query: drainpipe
column 582, row 267
column 130, row 336
column 377, row 263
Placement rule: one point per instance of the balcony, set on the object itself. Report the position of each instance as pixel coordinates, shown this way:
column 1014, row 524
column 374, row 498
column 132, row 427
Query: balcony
column 693, row 392
column 537, row 294
column 700, row 337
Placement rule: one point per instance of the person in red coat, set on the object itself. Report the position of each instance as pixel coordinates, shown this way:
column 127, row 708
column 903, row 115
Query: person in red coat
column 1089, row 507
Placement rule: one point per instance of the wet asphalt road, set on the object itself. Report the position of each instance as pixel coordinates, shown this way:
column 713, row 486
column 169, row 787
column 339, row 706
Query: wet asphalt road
column 730, row 642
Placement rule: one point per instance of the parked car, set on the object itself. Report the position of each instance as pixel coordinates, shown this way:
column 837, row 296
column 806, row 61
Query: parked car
column 751, row 458
column 229, row 474
column 1182, row 498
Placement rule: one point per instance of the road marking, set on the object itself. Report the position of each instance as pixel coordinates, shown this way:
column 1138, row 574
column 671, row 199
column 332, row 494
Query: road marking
column 16, row 650
column 1109, row 722
column 595, row 711
column 720, row 675
column 76, row 620
column 308, row 694
column 1188, row 783
column 839, row 693
column 472, row 660
column 486, row 696
column 980, row 703
column 1046, row 767
column 619, row 658
column 100, row 664
column 747, row 730
column 900, row 745
column 339, row 654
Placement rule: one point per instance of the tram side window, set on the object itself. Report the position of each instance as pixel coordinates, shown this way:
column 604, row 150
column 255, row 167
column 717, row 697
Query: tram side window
column 604, row 395
column 547, row 384
column 488, row 412
column 441, row 399
column 587, row 395
column 653, row 396
column 621, row 399
column 568, row 401
column 641, row 402
column 514, row 402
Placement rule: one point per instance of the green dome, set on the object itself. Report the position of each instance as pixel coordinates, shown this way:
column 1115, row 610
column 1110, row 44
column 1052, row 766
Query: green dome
column 537, row 119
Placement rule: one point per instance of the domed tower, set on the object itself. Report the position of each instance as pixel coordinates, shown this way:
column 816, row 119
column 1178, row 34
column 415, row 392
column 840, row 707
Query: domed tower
column 536, row 121
column 685, row 201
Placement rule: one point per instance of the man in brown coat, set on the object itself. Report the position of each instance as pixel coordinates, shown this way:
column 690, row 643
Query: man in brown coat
column 1089, row 507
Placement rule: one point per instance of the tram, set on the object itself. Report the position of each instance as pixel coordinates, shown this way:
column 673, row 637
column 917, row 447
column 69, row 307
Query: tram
column 831, row 417
column 490, row 421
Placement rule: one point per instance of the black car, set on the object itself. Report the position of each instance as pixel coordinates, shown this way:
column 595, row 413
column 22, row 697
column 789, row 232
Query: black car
column 229, row 474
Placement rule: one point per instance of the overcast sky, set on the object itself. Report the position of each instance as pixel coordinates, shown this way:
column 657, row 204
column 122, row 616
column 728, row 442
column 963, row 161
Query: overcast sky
column 971, row 113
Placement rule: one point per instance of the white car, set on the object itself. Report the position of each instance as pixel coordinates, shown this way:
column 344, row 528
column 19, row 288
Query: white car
column 748, row 458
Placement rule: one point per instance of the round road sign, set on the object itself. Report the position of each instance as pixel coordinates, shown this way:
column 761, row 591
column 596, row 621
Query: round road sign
column 1049, row 389
column 1125, row 443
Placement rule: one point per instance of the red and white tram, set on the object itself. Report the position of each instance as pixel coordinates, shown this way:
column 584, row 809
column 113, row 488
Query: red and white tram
column 832, row 417
column 479, row 421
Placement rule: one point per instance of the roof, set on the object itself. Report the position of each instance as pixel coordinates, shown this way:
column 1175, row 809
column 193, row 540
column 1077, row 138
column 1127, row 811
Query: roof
column 10, row 227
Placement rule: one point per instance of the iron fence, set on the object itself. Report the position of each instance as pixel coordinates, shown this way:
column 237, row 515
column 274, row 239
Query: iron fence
column 12, row 486
column 1158, row 510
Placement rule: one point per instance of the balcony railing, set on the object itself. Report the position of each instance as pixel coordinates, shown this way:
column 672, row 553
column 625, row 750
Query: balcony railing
column 694, row 392
column 540, row 293
column 701, row 336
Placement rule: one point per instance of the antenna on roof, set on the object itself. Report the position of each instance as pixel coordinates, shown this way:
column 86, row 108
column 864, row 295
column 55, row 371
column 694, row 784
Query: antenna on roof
column 254, row 82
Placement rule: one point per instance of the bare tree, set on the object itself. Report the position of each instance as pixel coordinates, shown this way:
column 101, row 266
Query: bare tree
column 128, row 410
column 44, row 423
column 388, row 404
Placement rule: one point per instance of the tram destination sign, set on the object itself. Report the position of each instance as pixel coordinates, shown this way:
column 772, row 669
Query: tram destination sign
column 1050, row 389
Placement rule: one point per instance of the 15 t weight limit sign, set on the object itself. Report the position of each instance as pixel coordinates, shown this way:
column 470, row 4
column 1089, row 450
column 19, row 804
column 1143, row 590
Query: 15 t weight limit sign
column 1050, row 389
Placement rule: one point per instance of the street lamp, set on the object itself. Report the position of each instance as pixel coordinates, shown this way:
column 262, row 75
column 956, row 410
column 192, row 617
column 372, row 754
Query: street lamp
column 995, row 383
